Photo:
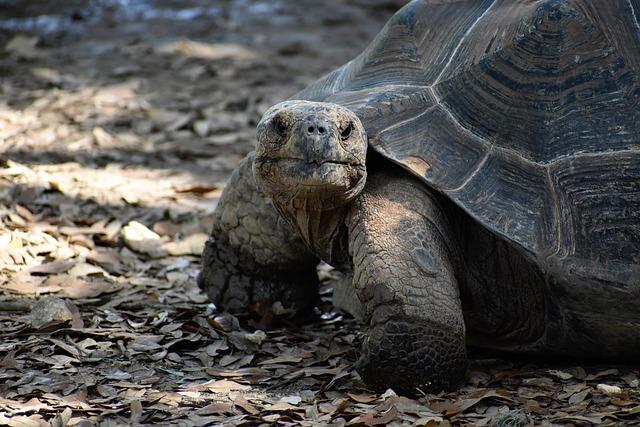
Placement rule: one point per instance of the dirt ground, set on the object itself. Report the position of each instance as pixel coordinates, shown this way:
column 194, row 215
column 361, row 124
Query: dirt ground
column 120, row 121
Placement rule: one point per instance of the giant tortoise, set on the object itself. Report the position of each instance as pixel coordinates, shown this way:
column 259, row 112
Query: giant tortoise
column 475, row 172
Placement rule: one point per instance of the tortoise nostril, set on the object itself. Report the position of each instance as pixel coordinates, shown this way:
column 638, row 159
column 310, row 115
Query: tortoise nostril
column 313, row 127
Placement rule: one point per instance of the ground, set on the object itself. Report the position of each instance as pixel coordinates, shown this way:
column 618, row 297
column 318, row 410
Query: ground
column 119, row 124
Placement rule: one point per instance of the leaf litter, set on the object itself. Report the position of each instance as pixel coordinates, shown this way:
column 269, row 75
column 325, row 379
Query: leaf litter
column 117, row 140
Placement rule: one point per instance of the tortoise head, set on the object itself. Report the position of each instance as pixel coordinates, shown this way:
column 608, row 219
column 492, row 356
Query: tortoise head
column 310, row 155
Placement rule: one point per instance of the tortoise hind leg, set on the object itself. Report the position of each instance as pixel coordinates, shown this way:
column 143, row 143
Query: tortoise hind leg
column 253, row 255
column 403, row 255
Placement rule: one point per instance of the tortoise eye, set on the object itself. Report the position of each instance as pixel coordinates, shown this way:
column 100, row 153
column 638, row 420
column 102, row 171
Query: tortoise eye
column 346, row 132
column 280, row 126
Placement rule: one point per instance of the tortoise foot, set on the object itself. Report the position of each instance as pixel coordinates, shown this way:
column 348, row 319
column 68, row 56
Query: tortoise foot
column 411, row 356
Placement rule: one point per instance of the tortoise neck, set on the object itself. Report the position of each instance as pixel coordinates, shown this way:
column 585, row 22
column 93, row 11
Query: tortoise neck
column 321, row 229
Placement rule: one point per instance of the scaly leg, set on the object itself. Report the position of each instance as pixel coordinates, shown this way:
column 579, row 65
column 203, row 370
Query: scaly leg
column 253, row 255
column 403, row 255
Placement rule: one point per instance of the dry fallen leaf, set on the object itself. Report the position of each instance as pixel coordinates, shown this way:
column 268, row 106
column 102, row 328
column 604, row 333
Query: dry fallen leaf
column 192, row 245
column 23, row 46
column 141, row 239
column 579, row 397
column 54, row 267
column 240, row 401
column 225, row 386
column 561, row 374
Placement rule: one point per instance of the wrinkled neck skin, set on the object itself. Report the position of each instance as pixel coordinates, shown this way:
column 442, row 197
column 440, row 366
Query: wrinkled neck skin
column 318, row 216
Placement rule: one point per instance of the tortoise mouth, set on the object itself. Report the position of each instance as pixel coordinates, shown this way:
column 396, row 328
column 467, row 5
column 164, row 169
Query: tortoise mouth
column 297, row 177
column 317, row 163
column 328, row 174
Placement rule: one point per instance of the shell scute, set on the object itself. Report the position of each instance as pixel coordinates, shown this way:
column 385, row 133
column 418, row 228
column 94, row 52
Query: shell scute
column 524, row 113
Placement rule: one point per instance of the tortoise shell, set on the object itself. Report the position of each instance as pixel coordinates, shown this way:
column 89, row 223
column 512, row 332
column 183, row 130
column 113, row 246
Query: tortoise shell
column 525, row 113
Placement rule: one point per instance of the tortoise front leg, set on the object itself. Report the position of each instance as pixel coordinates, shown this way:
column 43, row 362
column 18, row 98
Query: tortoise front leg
column 253, row 255
column 403, row 254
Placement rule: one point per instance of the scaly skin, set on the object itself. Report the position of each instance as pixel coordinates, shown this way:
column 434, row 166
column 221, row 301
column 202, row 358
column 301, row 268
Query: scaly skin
column 253, row 255
column 403, row 266
column 393, row 234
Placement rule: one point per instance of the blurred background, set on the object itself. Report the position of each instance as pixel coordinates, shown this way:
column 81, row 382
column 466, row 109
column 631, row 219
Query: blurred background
column 121, row 111
column 163, row 83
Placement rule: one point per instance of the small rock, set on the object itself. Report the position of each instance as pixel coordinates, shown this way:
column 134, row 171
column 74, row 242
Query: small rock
column 609, row 389
column 52, row 310
column 256, row 337
column 202, row 128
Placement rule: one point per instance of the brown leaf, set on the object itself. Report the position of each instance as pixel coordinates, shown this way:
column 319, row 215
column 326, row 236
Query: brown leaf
column 629, row 412
column 166, row 228
column 240, row 401
column 107, row 258
column 216, row 408
column 281, row 359
column 370, row 418
column 225, row 386
column 200, row 189
column 24, row 283
column 82, row 269
column 140, row 239
column 32, row 405
column 61, row 420
column 66, row 347
column 385, row 419
column 363, row 398
column 22, row 421
column 428, row 422
column 282, row 407
column 561, row 374
column 594, row 419
column 579, row 397
column 192, row 245
column 76, row 288
column 23, row 46
column 24, row 212
column 78, row 400
column 9, row 360
column 619, row 401
column 136, row 411
column 602, row 374
column 55, row 267
column 453, row 408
